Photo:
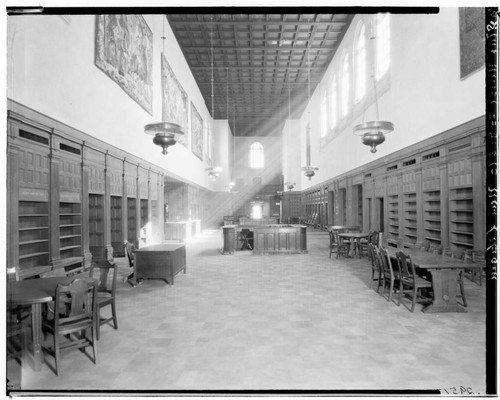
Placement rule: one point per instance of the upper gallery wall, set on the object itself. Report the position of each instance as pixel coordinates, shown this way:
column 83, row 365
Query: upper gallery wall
column 422, row 94
column 51, row 64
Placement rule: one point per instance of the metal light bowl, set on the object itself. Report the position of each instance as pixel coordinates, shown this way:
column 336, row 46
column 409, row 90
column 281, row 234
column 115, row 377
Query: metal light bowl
column 164, row 134
column 372, row 133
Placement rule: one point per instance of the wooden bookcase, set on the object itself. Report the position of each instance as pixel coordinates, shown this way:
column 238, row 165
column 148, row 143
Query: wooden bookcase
column 393, row 218
column 131, row 220
column 33, row 235
column 410, row 217
column 432, row 217
column 461, row 218
column 116, row 225
column 70, row 230
column 96, row 225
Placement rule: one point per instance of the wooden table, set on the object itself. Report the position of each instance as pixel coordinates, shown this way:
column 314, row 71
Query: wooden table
column 35, row 292
column 444, row 271
column 159, row 261
column 355, row 238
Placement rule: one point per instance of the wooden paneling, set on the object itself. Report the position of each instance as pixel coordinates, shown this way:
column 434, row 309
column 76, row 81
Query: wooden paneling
column 429, row 193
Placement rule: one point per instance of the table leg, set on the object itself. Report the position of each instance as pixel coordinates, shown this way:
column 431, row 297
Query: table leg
column 36, row 327
column 444, row 283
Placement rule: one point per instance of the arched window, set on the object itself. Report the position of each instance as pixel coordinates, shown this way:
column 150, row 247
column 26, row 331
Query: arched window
column 360, row 65
column 344, row 86
column 333, row 103
column 256, row 155
column 324, row 114
column 382, row 45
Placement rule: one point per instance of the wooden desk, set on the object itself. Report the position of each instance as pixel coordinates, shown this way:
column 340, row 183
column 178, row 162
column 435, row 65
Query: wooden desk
column 35, row 292
column 354, row 243
column 444, row 271
column 159, row 261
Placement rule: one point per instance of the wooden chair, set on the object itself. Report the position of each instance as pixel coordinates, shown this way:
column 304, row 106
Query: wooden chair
column 106, row 292
column 389, row 276
column 460, row 255
column 78, row 324
column 410, row 282
column 245, row 237
column 363, row 243
column 336, row 246
column 376, row 268
column 475, row 273
column 18, row 331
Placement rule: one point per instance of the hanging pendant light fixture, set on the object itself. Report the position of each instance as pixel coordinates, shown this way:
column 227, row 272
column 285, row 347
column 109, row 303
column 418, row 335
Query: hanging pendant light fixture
column 309, row 170
column 373, row 132
column 213, row 171
column 164, row 132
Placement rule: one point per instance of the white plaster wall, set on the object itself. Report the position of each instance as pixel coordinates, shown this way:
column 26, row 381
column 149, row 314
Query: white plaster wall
column 426, row 95
column 51, row 69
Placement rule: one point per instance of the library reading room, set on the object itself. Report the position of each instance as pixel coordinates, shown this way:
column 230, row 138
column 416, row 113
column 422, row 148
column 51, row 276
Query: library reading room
column 229, row 202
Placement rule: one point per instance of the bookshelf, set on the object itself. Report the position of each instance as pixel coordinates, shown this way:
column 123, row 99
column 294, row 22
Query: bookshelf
column 131, row 220
column 70, row 230
column 33, row 235
column 393, row 218
column 461, row 218
column 116, row 225
column 432, row 217
column 410, row 217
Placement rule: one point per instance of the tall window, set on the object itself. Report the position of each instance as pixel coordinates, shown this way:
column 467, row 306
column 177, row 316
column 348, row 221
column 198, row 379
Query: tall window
column 344, row 88
column 324, row 113
column 333, row 103
column 360, row 64
column 256, row 155
column 382, row 45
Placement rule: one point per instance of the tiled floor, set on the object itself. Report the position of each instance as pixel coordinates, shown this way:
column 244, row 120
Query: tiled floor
column 284, row 322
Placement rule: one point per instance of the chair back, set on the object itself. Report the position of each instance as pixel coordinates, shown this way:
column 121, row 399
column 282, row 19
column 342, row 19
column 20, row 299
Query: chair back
column 83, row 305
column 373, row 238
column 385, row 262
column 406, row 267
column 371, row 253
column 129, row 250
column 106, row 276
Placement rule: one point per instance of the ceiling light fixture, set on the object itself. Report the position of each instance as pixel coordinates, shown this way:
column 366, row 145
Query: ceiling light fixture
column 309, row 170
column 373, row 132
column 164, row 132
column 213, row 172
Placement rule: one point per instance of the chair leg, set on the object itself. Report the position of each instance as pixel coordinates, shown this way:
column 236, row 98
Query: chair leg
column 462, row 293
column 113, row 311
column 98, row 324
column 414, row 297
column 57, row 352
column 391, row 290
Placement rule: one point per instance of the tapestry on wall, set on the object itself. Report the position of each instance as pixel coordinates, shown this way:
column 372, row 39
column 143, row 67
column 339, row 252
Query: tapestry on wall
column 124, row 51
column 175, row 101
column 196, row 132
column 471, row 39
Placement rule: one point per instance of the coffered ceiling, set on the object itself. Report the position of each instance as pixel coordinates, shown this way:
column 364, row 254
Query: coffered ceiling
column 263, row 64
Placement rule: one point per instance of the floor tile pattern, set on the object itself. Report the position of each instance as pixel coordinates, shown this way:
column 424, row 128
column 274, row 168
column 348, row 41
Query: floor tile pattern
column 272, row 322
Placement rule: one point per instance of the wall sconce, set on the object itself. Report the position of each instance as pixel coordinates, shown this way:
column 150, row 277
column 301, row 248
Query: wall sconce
column 164, row 134
column 290, row 185
column 309, row 171
column 214, row 172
